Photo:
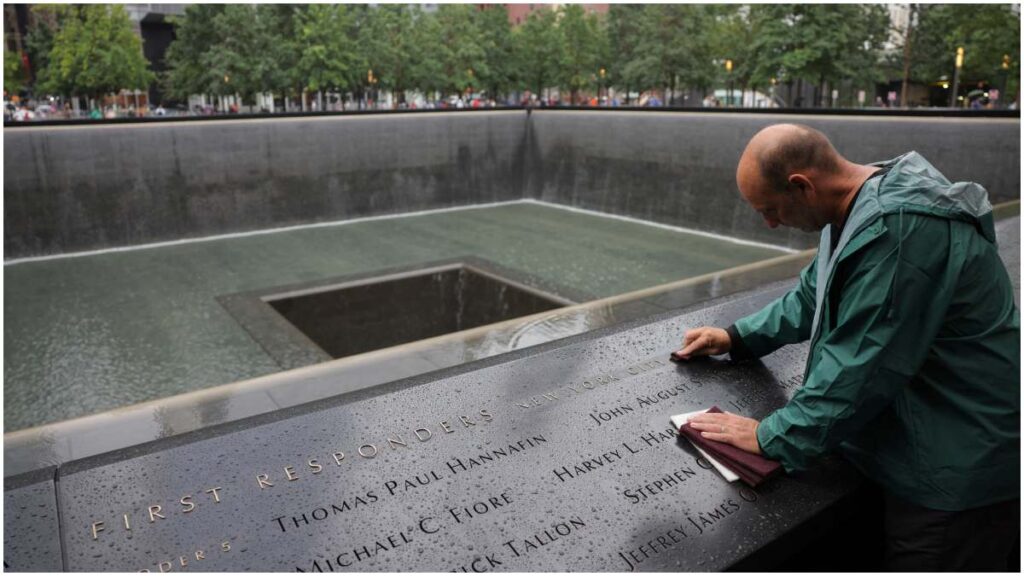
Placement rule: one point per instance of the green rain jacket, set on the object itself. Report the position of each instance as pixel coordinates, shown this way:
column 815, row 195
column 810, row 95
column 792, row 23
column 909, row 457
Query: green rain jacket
column 913, row 372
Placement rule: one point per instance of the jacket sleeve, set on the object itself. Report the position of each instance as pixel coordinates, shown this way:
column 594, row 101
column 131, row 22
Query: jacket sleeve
column 787, row 320
column 890, row 309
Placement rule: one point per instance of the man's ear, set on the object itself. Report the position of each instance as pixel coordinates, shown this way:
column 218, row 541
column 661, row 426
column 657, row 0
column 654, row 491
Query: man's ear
column 801, row 184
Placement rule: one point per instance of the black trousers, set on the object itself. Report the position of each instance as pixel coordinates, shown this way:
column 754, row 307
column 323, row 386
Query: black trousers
column 976, row 540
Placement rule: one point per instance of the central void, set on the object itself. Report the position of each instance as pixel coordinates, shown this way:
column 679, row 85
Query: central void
column 372, row 314
column 93, row 333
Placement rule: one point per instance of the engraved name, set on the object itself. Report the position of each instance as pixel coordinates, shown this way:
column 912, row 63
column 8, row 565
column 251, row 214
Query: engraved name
column 654, row 487
column 566, row 473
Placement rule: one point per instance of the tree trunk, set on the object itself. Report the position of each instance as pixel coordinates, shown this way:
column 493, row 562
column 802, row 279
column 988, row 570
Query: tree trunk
column 906, row 56
column 320, row 100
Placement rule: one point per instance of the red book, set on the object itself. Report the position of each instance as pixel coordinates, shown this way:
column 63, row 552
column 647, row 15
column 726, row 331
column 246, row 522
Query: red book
column 753, row 469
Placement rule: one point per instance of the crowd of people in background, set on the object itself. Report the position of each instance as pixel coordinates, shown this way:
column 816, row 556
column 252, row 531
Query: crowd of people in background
column 19, row 110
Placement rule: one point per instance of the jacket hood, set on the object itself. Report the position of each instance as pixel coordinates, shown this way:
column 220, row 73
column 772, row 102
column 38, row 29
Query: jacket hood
column 914, row 185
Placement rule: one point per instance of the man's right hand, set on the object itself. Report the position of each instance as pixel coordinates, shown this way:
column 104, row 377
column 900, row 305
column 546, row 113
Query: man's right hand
column 704, row 341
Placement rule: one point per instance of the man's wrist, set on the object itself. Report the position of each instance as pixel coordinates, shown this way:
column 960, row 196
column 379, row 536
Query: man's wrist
column 738, row 351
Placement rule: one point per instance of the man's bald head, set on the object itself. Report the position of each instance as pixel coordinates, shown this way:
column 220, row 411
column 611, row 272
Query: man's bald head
column 792, row 176
column 778, row 151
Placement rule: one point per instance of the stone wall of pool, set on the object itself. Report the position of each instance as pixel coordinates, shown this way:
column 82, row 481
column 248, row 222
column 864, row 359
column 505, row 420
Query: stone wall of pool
column 78, row 188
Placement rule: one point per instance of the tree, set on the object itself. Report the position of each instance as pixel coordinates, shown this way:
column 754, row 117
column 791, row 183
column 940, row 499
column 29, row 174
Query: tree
column 95, row 52
column 538, row 50
column 582, row 46
column 247, row 56
column 623, row 34
column 387, row 44
column 731, row 34
column 497, row 42
column 426, row 71
column 770, row 40
column 234, row 49
column 700, row 64
column 461, row 54
column 987, row 32
column 186, row 57
column 817, row 43
column 39, row 42
column 662, row 49
column 13, row 74
column 327, row 55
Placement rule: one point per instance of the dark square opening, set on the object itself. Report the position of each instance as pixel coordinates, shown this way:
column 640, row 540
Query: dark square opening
column 368, row 315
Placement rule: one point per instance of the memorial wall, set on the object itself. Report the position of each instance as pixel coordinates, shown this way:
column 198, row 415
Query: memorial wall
column 560, row 457
column 75, row 188
column 680, row 169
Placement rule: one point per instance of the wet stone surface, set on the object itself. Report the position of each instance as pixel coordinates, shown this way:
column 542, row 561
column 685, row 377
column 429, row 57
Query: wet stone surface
column 31, row 537
column 557, row 459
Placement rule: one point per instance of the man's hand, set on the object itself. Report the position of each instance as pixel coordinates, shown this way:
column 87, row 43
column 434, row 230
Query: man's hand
column 704, row 341
column 730, row 428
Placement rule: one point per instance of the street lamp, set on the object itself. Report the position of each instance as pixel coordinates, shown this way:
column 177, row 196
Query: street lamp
column 600, row 72
column 1005, row 72
column 956, row 75
column 728, row 69
column 371, row 81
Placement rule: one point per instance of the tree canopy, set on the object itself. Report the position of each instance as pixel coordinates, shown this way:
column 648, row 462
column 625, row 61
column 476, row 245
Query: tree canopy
column 290, row 49
column 13, row 74
column 93, row 52
column 986, row 32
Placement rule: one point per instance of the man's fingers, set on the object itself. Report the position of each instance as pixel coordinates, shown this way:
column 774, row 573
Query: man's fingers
column 710, row 418
column 717, row 437
column 699, row 343
column 719, row 426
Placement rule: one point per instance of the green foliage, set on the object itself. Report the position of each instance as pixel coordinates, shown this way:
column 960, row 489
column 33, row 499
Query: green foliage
column 293, row 48
column 539, row 48
column 247, row 56
column 387, row 46
column 816, row 43
column 985, row 31
column 186, row 56
column 13, row 74
column 460, row 50
column 499, row 51
column 623, row 33
column 327, row 55
column 39, row 42
column 94, row 52
column 582, row 42
column 426, row 70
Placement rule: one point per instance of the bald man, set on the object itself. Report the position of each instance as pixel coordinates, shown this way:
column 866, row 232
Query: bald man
column 913, row 372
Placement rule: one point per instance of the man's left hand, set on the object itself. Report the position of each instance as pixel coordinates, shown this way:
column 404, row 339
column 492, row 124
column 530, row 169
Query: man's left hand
column 730, row 428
